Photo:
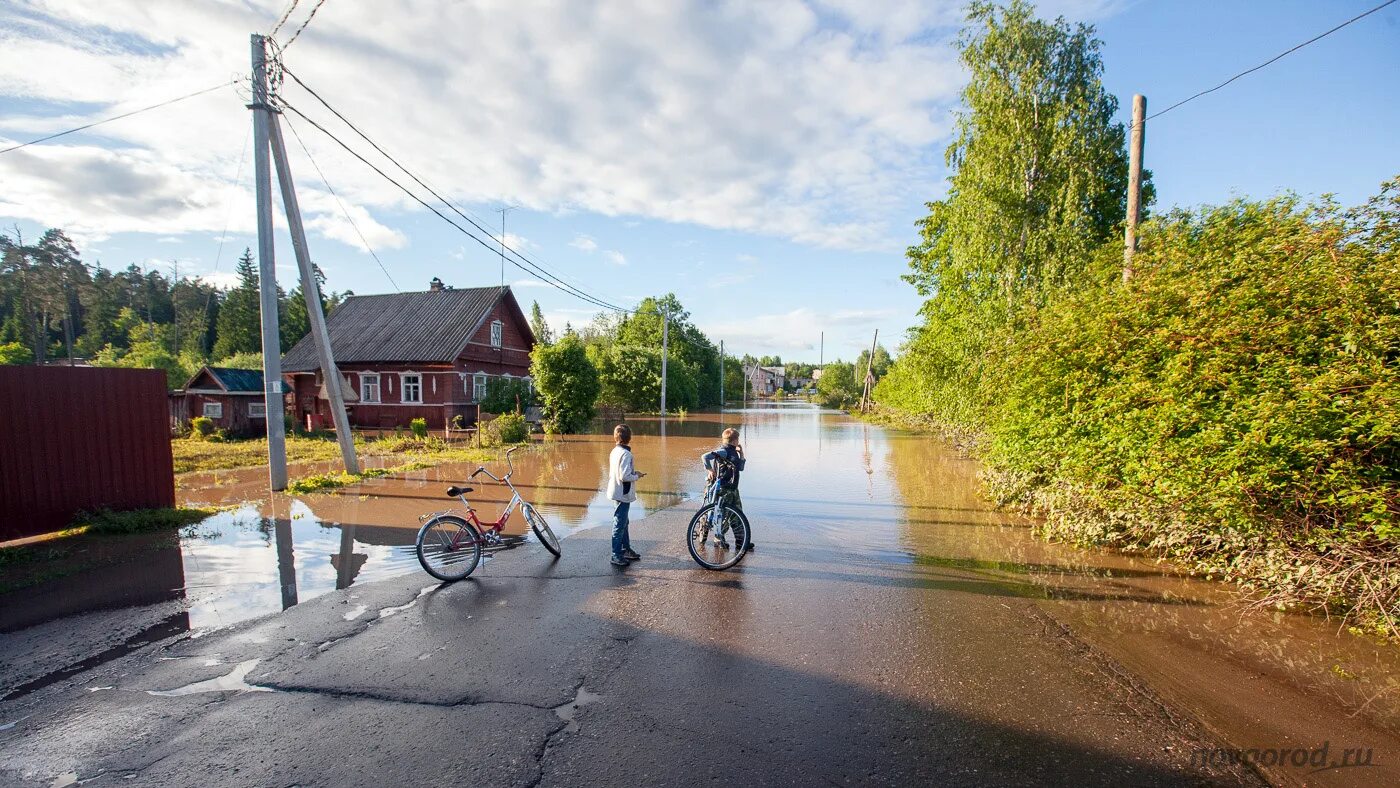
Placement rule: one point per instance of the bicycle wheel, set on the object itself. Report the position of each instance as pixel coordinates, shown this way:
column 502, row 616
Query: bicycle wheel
column 717, row 536
column 448, row 547
column 542, row 530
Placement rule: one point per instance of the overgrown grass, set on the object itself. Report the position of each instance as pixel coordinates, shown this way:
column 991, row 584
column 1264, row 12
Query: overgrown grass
column 106, row 521
column 196, row 455
column 329, row 481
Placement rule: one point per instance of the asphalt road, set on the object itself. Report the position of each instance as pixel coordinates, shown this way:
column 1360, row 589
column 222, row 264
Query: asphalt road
column 805, row 665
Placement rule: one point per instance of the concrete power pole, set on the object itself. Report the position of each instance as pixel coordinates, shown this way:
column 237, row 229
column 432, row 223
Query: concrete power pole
column 869, row 373
column 1130, row 231
column 721, row 376
column 267, row 276
column 311, row 289
column 665, row 348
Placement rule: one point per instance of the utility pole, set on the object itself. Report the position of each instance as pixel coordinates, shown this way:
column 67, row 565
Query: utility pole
column 869, row 373
column 267, row 275
column 721, row 376
column 1130, row 230
column 665, row 348
column 311, row 290
column 503, row 211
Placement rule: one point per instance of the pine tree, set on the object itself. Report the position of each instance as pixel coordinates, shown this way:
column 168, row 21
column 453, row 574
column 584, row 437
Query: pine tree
column 240, row 321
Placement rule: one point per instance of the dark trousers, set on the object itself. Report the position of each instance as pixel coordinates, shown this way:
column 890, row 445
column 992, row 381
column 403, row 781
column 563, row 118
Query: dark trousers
column 621, row 540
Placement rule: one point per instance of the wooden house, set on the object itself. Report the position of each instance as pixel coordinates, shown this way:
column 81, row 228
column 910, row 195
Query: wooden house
column 404, row 356
column 231, row 398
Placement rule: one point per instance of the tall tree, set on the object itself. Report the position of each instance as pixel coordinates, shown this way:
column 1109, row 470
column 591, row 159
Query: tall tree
column 538, row 326
column 240, row 321
column 1039, row 182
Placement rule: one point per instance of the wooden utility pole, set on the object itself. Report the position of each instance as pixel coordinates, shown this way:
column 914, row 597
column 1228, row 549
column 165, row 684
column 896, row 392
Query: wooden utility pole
column 1130, row 230
column 869, row 374
column 311, row 289
column 267, row 275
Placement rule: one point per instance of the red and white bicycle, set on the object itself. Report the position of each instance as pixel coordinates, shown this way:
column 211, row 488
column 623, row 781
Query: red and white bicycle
column 449, row 544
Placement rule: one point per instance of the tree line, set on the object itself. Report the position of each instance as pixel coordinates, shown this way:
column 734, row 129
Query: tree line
column 53, row 306
column 1234, row 404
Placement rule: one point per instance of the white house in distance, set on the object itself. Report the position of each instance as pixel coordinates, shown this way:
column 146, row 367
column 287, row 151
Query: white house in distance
column 767, row 380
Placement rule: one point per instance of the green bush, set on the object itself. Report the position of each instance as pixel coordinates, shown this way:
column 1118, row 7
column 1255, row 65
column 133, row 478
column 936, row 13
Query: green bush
column 419, row 426
column 201, row 427
column 503, row 395
column 567, row 383
column 505, row 429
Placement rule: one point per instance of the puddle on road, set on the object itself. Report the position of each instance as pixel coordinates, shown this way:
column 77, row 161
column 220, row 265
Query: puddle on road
column 234, row 681
column 568, row 712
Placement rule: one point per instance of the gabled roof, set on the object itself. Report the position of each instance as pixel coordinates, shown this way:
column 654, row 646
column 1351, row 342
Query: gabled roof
column 427, row 326
column 230, row 379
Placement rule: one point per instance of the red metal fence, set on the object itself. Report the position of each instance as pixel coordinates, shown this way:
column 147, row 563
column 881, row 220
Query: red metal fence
column 80, row 438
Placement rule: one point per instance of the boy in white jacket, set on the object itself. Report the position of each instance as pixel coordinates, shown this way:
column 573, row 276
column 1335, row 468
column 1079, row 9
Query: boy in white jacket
column 622, row 488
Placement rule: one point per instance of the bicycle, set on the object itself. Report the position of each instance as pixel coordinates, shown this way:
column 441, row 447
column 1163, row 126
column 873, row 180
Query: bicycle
column 710, row 530
column 449, row 545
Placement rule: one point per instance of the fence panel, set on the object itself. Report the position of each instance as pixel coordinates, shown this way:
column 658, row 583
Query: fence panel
column 81, row 438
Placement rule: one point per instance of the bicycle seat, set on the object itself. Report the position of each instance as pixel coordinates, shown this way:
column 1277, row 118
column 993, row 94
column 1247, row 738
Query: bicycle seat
column 453, row 492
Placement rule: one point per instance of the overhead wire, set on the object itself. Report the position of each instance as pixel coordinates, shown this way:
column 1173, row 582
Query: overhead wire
column 86, row 126
column 309, row 17
column 283, row 20
column 1271, row 60
column 345, row 211
column 489, row 247
column 538, row 269
column 228, row 218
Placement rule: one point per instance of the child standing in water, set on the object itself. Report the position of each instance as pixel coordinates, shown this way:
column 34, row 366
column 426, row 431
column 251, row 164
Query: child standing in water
column 725, row 463
column 622, row 489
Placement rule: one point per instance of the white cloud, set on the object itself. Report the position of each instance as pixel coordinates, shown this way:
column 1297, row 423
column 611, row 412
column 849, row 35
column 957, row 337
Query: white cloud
column 223, row 279
column 520, row 283
column 798, row 332
column 615, row 257
column 814, row 121
column 585, row 243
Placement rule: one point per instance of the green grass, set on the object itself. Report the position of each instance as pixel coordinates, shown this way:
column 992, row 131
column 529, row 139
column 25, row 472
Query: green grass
column 329, row 481
column 137, row 521
column 197, row 455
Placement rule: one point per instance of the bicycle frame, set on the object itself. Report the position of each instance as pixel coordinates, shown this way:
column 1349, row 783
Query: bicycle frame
column 494, row 528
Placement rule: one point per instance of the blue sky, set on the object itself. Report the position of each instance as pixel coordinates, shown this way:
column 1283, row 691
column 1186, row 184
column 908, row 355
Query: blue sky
column 765, row 162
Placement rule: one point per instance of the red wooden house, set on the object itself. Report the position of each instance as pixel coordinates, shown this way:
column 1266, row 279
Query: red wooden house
column 231, row 398
column 404, row 356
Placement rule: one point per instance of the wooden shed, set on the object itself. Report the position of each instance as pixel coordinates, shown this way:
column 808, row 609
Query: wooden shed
column 231, row 398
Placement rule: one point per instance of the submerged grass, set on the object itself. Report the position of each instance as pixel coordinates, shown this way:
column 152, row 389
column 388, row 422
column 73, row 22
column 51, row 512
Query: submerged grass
column 198, row 455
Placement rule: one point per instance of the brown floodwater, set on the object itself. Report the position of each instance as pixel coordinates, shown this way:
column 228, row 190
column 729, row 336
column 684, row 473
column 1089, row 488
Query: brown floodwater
column 820, row 477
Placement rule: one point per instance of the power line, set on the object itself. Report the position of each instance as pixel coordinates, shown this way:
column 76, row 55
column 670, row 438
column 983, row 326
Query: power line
column 309, row 17
column 1272, row 60
column 228, row 218
column 283, row 20
column 119, row 117
column 538, row 269
column 426, row 204
column 343, row 209
column 476, row 222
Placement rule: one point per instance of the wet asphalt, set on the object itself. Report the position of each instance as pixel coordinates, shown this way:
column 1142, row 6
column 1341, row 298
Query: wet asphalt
column 805, row 665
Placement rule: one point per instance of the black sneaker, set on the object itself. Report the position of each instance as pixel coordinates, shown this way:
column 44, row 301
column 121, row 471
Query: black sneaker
column 618, row 560
column 630, row 554
column 749, row 548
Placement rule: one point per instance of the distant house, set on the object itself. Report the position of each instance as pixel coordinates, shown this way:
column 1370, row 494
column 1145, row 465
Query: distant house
column 767, row 380
column 404, row 356
column 231, row 398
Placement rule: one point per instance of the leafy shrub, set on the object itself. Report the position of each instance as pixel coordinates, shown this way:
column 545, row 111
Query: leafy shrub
column 201, row 427
column 506, row 428
column 419, row 426
column 504, row 394
column 567, row 383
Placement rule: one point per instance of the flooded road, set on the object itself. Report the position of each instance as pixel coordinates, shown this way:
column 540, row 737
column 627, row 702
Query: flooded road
column 851, row 509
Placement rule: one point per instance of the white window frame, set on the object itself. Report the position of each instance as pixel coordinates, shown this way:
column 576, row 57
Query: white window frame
column 213, row 410
column 498, row 333
column 417, row 382
column 368, row 379
column 257, row 410
column 479, row 381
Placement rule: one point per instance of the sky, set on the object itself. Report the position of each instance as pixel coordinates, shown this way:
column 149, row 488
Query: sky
column 764, row 161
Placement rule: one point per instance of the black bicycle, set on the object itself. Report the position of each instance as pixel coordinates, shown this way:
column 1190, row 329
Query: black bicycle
column 718, row 535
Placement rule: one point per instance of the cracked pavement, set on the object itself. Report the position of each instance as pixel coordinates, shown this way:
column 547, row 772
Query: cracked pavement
column 803, row 665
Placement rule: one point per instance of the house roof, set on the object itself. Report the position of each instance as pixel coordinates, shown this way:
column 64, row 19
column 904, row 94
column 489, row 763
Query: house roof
column 427, row 326
column 230, row 379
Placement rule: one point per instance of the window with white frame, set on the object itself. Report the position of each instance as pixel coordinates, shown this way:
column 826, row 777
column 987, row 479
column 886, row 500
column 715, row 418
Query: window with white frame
column 497, row 332
column 257, row 410
column 213, row 410
column 412, row 387
column 369, row 388
column 479, row 387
